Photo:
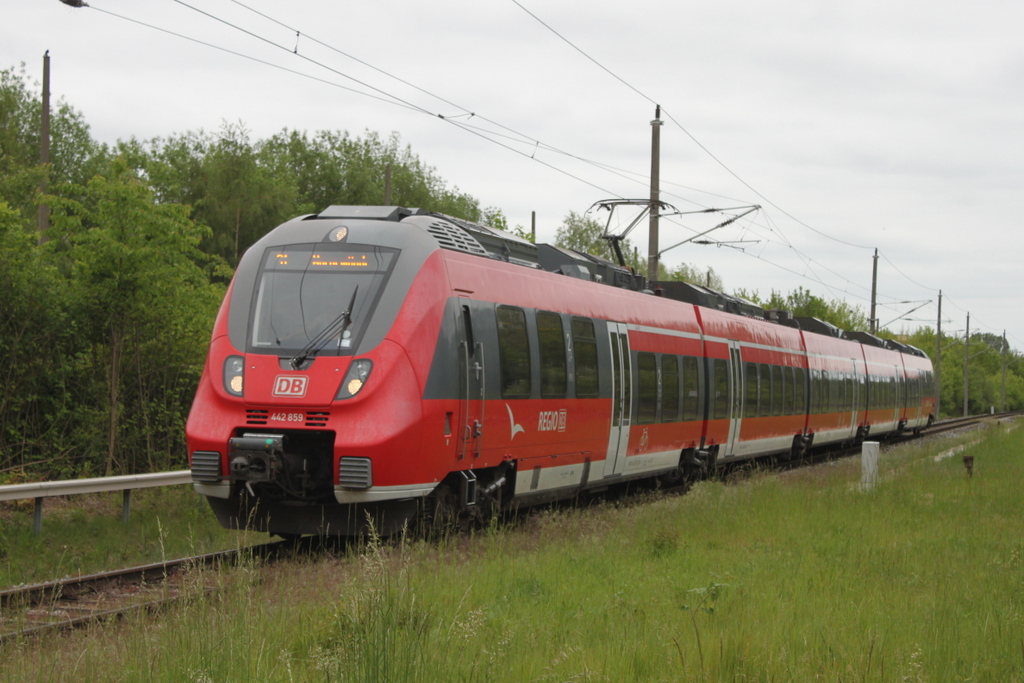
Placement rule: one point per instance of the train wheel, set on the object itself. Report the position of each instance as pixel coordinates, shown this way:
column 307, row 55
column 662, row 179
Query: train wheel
column 438, row 513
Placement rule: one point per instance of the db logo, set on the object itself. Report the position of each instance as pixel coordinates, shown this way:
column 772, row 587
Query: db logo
column 290, row 386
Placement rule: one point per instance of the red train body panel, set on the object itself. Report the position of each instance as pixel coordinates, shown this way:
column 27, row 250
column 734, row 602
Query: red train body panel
column 374, row 364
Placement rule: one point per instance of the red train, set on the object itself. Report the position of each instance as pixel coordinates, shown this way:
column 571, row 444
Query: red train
column 385, row 364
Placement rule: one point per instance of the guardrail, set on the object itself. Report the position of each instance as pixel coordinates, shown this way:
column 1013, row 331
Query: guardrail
column 41, row 490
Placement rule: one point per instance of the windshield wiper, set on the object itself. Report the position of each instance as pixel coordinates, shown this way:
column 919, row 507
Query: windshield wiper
column 337, row 327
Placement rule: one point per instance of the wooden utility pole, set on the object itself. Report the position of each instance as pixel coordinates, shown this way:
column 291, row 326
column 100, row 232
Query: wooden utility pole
column 1002, row 395
column 655, row 205
column 967, row 361
column 938, row 361
column 44, row 150
column 873, row 323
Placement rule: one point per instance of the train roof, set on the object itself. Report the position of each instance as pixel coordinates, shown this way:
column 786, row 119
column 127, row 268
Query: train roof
column 456, row 234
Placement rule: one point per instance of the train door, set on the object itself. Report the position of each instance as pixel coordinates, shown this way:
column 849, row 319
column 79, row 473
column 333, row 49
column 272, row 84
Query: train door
column 854, row 397
column 734, row 373
column 622, row 404
column 471, row 387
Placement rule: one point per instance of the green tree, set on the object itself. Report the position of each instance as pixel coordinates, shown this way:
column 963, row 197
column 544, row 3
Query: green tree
column 583, row 233
column 686, row 272
column 139, row 294
column 33, row 332
column 801, row 302
column 74, row 156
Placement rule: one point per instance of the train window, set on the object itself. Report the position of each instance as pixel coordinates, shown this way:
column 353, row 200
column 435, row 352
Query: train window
column 765, row 391
column 778, row 390
column 815, row 403
column 669, row 388
column 584, row 345
column 720, row 382
column 647, row 388
column 823, row 391
column 303, row 289
column 552, row 355
column 691, row 389
column 790, row 390
column 800, row 393
column 750, row 376
column 513, row 352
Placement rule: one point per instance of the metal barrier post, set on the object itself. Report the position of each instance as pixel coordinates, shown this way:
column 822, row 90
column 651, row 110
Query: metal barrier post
column 126, row 506
column 37, row 518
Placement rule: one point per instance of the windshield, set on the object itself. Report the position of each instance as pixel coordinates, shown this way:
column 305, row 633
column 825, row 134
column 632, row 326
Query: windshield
column 303, row 288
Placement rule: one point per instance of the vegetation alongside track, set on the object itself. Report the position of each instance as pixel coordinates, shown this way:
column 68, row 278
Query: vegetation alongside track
column 84, row 534
column 793, row 576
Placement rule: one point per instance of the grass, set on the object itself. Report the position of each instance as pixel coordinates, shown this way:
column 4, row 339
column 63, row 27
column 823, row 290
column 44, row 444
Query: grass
column 796, row 576
column 84, row 534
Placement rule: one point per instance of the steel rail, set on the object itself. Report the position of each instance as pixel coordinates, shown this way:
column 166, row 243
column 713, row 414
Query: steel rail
column 61, row 595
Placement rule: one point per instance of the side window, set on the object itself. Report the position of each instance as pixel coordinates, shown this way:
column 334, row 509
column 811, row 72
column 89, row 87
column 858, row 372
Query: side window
column 514, row 352
column 720, row 382
column 691, row 389
column 815, row 391
column 647, row 388
column 800, row 404
column 669, row 388
column 790, row 390
column 584, row 345
column 552, row 355
column 765, row 374
column 750, row 376
column 778, row 390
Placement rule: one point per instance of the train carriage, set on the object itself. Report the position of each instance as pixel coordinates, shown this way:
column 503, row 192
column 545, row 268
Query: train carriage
column 388, row 366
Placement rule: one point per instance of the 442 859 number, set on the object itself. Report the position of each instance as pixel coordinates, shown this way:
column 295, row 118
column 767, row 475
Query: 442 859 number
column 287, row 417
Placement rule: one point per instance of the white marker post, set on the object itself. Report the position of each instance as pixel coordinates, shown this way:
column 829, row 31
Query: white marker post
column 868, row 465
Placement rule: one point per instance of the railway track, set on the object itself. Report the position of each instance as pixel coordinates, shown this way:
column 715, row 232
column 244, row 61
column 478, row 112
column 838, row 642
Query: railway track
column 76, row 601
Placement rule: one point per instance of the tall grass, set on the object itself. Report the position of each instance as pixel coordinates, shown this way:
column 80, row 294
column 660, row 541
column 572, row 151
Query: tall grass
column 779, row 577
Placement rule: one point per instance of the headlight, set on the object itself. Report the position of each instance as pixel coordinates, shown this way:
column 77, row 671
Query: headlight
column 234, row 375
column 355, row 378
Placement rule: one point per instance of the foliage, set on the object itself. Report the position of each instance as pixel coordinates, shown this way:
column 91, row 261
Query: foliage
column 686, row 272
column 801, row 302
column 74, row 156
column 241, row 188
column 583, row 233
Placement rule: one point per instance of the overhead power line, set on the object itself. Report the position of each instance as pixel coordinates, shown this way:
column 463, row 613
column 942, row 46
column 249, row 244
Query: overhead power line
column 512, row 137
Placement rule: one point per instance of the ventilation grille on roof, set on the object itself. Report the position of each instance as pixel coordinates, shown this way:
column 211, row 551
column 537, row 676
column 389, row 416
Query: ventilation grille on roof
column 451, row 237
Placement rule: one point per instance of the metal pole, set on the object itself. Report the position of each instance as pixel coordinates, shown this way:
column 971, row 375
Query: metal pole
column 652, row 249
column 44, row 149
column 874, row 289
column 37, row 518
column 387, row 185
column 126, row 506
column 967, row 361
column 533, row 227
column 938, row 361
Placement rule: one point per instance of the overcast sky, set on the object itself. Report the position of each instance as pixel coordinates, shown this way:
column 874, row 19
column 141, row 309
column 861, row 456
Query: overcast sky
column 889, row 125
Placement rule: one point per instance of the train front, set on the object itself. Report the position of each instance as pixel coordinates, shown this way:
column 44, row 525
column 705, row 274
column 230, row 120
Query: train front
column 307, row 417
